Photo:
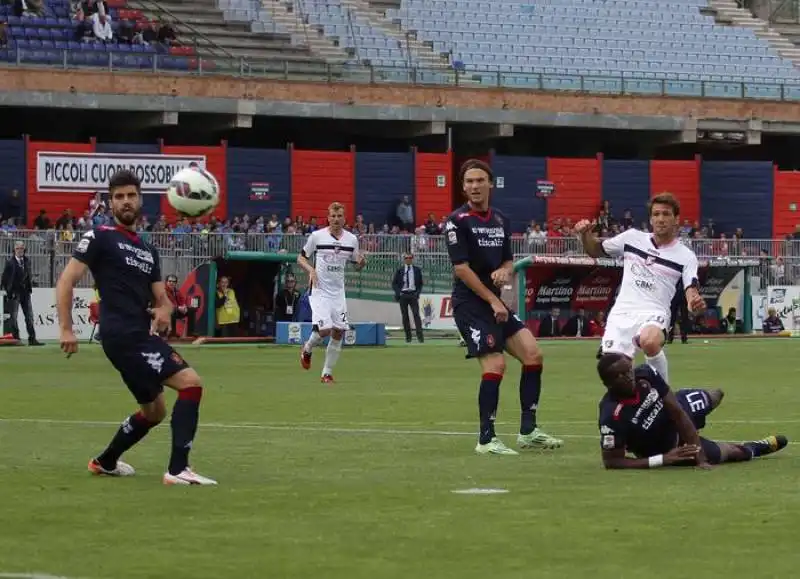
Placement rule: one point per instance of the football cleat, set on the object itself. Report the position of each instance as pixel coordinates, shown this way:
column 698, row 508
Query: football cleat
column 122, row 469
column 495, row 446
column 305, row 359
column 187, row 477
column 327, row 379
column 768, row 445
column 539, row 439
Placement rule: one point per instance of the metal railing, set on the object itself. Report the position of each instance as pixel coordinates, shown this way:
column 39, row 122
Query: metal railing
column 49, row 252
column 311, row 70
column 154, row 7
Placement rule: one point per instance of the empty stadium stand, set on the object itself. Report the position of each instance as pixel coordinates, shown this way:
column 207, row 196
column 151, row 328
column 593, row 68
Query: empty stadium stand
column 642, row 46
column 729, row 12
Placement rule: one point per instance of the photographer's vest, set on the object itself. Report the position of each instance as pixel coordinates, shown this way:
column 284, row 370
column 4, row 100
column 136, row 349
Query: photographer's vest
column 228, row 313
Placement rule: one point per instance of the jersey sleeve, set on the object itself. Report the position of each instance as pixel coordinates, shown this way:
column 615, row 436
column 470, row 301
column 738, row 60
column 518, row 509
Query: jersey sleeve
column 88, row 248
column 457, row 247
column 615, row 246
column 612, row 435
column 155, row 275
column 690, row 277
column 311, row 246
column 508, row 254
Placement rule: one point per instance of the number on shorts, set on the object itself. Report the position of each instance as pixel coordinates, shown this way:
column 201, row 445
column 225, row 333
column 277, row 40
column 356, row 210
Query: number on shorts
column 658, row 319
column 344, row 317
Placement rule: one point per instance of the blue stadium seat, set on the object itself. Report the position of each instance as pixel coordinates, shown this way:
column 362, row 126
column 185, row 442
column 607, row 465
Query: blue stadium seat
column 646, row 40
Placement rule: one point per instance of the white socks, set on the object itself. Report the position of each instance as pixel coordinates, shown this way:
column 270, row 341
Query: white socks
column 313, row 340
column 659, row 363
column 332, row 355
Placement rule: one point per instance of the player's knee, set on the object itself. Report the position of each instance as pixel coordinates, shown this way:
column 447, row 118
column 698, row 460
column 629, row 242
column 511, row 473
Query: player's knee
column 532, row 356
column 187, row 379
column 651, row 344
column 337, row 335
column 494, row 364
column 156, row 411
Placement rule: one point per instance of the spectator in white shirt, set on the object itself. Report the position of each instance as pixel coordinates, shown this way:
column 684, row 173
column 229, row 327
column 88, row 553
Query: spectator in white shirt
column 101, row 27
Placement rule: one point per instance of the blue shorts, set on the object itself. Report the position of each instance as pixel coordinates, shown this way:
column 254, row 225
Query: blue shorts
column 697, row 404
column 482, row 333
column 144, row 362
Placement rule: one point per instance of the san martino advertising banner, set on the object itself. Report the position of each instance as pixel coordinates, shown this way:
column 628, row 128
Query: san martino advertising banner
column 571, row 288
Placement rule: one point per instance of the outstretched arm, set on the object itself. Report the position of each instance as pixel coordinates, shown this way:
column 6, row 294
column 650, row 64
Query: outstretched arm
column 616, row 459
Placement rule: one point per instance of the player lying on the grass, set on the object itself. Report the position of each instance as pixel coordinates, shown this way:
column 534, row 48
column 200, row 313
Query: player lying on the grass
column 127, row 272
column 479, row 245
column 640, row 415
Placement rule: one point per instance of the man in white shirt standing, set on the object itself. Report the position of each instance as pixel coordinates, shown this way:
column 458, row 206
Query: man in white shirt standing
column 654, row 264
column 331, row 248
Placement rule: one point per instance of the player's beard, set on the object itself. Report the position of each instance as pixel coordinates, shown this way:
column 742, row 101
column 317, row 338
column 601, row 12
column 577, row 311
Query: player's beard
column 127, row 218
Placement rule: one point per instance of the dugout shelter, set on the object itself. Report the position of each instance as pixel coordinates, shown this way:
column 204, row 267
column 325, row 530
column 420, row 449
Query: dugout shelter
column 255, row 276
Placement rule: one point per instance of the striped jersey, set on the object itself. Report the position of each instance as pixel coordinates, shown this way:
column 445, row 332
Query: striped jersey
column 651, row 274
column 330, row 260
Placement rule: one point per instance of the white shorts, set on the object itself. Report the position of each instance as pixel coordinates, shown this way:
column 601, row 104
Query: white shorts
column 328, row 312
column 623, row 330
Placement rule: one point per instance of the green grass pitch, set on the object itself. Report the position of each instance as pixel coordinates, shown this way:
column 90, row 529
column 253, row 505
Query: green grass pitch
column 355, row 480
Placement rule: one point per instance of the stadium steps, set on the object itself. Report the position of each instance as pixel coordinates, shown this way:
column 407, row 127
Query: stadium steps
column 283, row 12
column 423, row 52
column 229, row 45
column 728, row 12
column 381, row 6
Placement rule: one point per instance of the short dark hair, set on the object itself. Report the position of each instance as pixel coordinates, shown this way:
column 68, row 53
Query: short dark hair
column 606, row 364
column 475, row 164
column 664, row 199
column 124, row 178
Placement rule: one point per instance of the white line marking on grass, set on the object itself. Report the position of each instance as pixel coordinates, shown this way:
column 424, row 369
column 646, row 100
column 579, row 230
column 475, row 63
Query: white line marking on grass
column 31, row 576
column 310, row 427
column 480, row 492
column 270, row 427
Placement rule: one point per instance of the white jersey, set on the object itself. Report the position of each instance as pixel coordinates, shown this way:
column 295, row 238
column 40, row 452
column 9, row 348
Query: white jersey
column 651, row 274
column 330, row 260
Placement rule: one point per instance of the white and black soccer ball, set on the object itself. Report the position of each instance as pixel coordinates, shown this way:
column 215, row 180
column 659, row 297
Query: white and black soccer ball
column 193, row 192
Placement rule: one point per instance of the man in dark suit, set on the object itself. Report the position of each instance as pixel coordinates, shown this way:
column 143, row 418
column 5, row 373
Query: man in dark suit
column 549, row 327
column 18, row 285
column 679, row 308
column 577, row 326
column 407, row 286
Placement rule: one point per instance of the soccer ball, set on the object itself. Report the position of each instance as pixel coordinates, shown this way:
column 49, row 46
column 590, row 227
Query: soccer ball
column 193, row 192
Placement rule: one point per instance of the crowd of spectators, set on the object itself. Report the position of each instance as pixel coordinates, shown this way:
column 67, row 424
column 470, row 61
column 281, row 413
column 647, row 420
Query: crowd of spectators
column 273, row 233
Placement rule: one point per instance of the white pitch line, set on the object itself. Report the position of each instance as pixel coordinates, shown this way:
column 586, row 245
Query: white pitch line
column 354, row 429
column 31, row 576
column 269, row 427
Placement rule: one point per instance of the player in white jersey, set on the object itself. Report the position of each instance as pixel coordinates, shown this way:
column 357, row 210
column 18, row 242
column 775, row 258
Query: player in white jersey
column 654, row 266
column 332, row 248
